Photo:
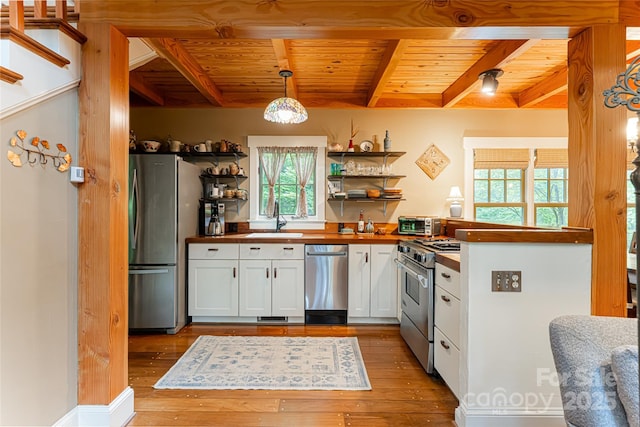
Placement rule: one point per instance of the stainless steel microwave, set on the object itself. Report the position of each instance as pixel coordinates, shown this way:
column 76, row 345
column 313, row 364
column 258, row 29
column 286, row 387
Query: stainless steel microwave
column 419, row 225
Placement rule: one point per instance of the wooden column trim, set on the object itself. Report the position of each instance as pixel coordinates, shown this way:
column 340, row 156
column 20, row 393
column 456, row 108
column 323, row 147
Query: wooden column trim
column 597, row 155
column 102, row 216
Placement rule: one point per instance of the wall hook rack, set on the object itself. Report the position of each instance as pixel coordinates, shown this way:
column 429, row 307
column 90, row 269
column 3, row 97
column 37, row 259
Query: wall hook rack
column 61, row 161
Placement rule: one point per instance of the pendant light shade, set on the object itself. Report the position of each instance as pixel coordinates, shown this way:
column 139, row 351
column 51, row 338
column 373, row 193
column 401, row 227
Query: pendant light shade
column 285, row 110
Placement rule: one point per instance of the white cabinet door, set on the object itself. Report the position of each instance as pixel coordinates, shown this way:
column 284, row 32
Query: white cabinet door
column 287, row 288
column 213, row 287
column 359, row 280
column 384, row 281
column 255, row 288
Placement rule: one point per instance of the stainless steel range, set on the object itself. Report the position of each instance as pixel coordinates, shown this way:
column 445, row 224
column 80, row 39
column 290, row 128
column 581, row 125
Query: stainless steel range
column 417, row 261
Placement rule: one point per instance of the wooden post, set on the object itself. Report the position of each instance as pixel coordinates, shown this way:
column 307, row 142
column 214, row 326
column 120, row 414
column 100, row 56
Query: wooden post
column 61, row 9
column 16, row 15
column 40, row 8
column 102, row 216
column 597, row 161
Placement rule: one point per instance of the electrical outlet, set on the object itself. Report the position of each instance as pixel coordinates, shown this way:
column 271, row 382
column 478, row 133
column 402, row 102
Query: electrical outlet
column 506, row 281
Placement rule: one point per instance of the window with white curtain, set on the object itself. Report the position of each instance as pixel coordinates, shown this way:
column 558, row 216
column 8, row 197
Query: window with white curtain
column 290, row 170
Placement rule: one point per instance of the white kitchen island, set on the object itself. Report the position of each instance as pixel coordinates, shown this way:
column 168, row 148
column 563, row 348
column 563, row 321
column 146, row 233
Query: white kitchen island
column 507, row 375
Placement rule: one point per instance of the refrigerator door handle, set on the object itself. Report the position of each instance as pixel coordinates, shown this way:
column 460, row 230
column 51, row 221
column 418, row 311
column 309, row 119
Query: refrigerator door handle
column 156, row 271
column 135, row 222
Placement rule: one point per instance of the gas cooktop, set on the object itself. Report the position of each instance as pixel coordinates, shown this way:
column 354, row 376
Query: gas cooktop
column 437, row 245
column 423, row 250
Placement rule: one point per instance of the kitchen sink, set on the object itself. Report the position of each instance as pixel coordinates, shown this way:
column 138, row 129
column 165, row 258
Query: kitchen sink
column 280, row 235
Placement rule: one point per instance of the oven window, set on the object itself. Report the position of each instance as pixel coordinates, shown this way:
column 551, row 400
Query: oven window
column 412, row 287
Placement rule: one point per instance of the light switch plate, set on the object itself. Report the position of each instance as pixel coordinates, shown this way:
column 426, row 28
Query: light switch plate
column 506, row 281
column 76, row 174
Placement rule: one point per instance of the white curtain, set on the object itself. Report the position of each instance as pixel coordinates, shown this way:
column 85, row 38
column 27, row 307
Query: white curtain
column 272, row 159
column 304, row 159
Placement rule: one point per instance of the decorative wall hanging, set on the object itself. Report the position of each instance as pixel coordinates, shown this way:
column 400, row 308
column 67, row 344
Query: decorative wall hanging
column 432, row 161
column 36, row 155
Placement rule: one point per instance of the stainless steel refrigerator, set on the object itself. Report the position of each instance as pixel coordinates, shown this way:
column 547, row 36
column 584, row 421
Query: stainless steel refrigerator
column 164, row 192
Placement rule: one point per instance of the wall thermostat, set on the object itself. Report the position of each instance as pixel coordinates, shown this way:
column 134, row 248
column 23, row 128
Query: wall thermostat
column 76, row 174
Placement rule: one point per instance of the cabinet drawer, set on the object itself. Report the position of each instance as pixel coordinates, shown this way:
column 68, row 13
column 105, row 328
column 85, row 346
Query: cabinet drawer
column 447, row 314
column 448, row 279
column 271, row 251
column 213, row 251
column 446, row 359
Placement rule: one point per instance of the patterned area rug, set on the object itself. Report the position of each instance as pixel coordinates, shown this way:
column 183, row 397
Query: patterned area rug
column 269, row 363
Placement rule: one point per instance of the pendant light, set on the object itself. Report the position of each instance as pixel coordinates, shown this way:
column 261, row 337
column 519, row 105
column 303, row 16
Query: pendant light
column 490, row 80
column 285, row 110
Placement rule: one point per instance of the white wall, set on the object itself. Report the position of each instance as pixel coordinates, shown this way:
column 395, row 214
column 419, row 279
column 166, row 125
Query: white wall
column 410, row 130
column 42, row 79
column 38, row 271
column 507, row 369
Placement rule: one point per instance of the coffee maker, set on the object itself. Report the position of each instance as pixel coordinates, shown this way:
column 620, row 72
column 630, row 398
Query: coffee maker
column 211, row 218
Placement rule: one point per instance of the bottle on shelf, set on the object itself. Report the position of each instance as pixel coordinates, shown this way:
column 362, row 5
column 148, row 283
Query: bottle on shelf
column 361, row 222
column 369, row 228
column 387, row 141
column 351, row 149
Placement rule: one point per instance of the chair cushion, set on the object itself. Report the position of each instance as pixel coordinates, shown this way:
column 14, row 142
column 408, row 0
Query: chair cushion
column 581, row 346
column 624, row 363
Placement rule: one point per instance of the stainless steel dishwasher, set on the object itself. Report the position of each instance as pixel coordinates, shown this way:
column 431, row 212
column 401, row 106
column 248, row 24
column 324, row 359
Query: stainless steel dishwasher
column 326, row 278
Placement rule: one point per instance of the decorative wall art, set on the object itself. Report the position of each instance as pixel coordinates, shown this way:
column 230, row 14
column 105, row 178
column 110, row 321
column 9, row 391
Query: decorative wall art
column 432, row 161
column 61, row 161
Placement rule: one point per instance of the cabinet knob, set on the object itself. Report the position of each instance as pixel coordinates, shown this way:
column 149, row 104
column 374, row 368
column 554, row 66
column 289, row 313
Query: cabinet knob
column 234, row 272
column 445, row 298
column 366, row 257
column 275, row 273
column 444, row 344
column 267, row 270
column 445, row 275
column 213, row 249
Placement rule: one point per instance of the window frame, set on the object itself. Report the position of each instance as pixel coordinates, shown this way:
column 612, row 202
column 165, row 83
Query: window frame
column 530, row 143
column 504, row 180
column 260, row 222
column 548, row 204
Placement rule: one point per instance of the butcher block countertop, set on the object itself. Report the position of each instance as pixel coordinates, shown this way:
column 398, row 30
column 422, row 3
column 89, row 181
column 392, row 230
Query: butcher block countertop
column 451, row 260
column 306, row 238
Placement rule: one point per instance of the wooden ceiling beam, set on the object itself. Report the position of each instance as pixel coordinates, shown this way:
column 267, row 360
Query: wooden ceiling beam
column 392, row 56
column 294, row 18
column 499, row 56
column 281, row 50
column 633, row 49
column 629, row 15
column 557, row 83
column 138, row 86
column 174, row 52
column 545, row 89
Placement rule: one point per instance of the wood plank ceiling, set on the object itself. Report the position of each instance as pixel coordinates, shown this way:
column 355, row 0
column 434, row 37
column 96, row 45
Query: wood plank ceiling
column 355, row 72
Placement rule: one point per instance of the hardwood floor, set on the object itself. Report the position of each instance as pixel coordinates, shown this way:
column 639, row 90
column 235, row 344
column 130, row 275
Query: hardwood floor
column 402, row 393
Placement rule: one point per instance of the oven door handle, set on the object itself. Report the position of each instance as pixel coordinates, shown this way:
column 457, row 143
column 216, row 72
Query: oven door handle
column 419, row 277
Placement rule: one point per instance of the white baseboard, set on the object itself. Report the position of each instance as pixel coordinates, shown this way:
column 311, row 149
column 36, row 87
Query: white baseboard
column 488, row 418
column 117, row 414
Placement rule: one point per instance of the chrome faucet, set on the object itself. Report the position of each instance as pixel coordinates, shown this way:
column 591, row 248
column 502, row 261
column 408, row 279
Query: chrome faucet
column 276, row 213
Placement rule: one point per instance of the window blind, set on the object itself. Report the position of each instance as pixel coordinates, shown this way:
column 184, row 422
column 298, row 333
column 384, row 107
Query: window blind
column 500, row 158
column 552, row 158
